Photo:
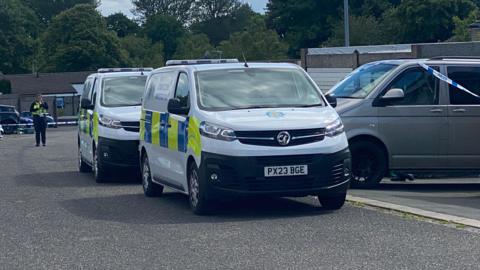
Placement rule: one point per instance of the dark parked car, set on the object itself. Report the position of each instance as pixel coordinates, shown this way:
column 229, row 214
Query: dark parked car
column 9, row 117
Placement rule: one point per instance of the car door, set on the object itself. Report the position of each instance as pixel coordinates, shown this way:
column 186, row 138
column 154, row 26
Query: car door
column 177, row 135
column 464, row 118
column 83, row 127
column 415, row 128
column 160, row 89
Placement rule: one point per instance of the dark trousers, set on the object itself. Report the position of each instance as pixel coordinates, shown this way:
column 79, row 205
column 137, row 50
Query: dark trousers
column 40, row 125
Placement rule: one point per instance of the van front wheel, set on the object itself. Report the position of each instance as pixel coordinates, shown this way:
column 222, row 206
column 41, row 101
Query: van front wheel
column 369, row 164
column 196, row 192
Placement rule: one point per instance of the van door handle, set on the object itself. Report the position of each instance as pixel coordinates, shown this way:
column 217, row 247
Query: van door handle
column 459, row 110
column 436, row 110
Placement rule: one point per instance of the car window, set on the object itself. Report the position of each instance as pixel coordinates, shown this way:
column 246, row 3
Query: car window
column 468, row 77
column 183, row 89
column 86, row 89
column 158, row 89
column 419, row 86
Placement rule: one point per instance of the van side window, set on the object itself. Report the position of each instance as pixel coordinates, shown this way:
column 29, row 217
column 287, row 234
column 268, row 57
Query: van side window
column 158, row 88
column 182, row 91
column 86, row 89
column 468, row 77
column 420, row 88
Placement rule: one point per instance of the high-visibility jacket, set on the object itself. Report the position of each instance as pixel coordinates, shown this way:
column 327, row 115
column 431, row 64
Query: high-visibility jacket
column 39, row 108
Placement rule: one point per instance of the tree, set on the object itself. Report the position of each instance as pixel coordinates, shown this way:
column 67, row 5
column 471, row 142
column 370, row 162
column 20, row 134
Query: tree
column 302, row 24
column 122, row 25
column 220, row 28
column 179, row 9
column 193, row 46
column 255, row 43
column 424, row 21
column 165, row 29
column 461, row 32
column 370, row 8
column 212, row 9
column 363, row 31
column 18, row 29
column 47, row 9
column 78, row 39
column 141, row 52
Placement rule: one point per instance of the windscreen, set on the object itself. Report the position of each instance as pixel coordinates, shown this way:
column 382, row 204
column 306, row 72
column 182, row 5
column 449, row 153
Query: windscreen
column 362, row 81
column 234, row 89
column 123, row 91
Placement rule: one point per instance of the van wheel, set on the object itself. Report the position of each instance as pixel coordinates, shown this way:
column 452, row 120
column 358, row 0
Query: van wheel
column 150, row 189
column 99, row 169
column 196, row 192
column 369, row 164
column 332, row 202
column 83, row 167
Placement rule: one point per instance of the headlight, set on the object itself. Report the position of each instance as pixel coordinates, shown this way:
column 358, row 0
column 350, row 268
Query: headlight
column 217, row 132
column 109, row 122
column 335, row 128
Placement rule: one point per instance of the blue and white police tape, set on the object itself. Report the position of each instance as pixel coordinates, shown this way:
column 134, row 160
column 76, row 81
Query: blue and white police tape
column 444, row 78
column 63, row 123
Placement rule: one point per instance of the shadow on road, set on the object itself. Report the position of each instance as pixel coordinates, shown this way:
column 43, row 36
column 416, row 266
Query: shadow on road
column 173, row 208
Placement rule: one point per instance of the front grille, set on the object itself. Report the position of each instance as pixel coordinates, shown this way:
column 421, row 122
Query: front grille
column 269, row 138
column 132, row 126
column 338, row 173
column 285, row 160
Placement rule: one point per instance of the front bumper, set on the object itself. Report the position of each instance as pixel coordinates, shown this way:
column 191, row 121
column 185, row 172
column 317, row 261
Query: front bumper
column 327, row 174
column 118, row 153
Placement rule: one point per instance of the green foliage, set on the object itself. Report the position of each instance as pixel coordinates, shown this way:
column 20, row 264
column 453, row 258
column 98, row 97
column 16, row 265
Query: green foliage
column 192, row 46
column 424, row 21
column 122, row 25
column 165, row 29
column 179, row 9
column 47, row 9
column 18, row 28
column 303, row 24
column 221, row 27
column 5, row 87
column 461, row 31
column 141, row 52
column 78, row 39
column 256, row 42
column 363, row 31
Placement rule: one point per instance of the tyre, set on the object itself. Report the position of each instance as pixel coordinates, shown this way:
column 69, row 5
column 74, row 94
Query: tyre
column 83, row 167
column 196, row 192
column 330, row 202
column 150, row 189
column 99, row 169
column 369, row 164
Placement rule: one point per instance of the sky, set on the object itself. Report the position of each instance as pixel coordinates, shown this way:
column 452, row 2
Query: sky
column 112, row 6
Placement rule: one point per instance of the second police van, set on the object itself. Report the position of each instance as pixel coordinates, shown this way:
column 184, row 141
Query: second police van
column 217, row 128
column 108, row 124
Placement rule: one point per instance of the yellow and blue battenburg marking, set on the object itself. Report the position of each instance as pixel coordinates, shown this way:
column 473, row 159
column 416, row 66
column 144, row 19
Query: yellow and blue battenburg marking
column 165, row 131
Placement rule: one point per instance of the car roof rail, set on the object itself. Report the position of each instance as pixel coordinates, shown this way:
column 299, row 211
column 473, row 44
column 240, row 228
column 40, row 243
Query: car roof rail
column 476, row 58
column 200, row 62
column 108, row 70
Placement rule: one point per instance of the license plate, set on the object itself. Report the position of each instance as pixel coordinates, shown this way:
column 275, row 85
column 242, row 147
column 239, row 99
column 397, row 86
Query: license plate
column 292, row 170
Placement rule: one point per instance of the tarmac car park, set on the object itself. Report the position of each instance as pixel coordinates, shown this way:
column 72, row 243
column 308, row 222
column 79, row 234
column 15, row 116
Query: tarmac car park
column 412, row 117
column 108, row 122
column 218, row 128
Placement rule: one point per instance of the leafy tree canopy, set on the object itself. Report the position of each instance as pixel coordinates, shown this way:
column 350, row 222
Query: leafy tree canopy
column 179, row 9
column 165, row 29
column 122, row 25
column 192, row 46
column 47, row 9
column 78, row 39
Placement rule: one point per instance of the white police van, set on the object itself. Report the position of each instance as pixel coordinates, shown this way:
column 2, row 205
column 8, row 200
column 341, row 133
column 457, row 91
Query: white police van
column 108, row 123
column 216, row 128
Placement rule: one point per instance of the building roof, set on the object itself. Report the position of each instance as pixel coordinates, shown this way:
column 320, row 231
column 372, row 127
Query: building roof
column 46, row 83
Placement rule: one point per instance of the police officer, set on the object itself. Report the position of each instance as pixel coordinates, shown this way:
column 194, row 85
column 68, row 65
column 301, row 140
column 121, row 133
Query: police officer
column 39, row 110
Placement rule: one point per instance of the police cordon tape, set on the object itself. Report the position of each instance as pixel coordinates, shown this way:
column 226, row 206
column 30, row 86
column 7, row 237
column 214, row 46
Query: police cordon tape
column 444, row 78
column 62, row 123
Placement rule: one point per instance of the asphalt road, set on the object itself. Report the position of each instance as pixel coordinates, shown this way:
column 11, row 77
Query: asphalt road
column 52, row 217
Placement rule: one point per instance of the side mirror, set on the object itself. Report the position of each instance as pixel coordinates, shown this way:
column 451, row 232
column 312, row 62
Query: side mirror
column 393, row 94
column 174, row 106
column 86, row 104
column 332, row 100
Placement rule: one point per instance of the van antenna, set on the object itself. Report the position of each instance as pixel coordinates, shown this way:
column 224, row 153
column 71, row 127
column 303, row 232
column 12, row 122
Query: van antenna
column 245, row 60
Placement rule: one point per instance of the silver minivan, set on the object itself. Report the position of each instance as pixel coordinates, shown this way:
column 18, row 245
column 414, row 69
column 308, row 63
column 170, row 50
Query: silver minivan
column 411, row 116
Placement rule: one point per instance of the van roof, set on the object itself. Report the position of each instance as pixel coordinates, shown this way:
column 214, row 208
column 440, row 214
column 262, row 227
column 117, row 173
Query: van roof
column 203, row 67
